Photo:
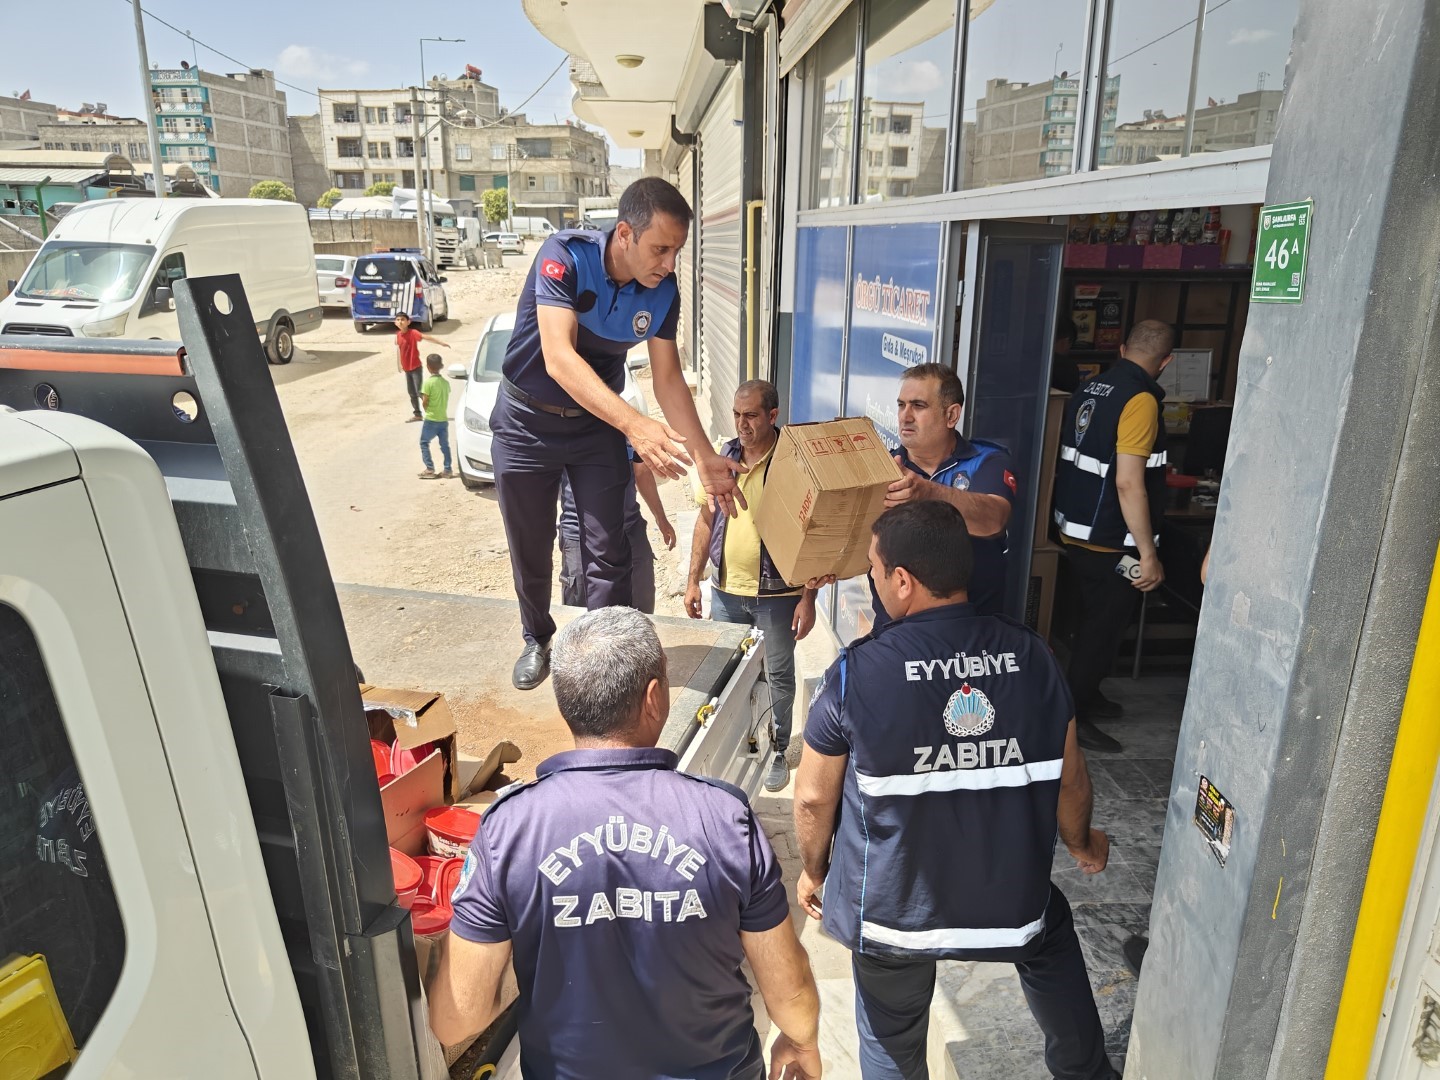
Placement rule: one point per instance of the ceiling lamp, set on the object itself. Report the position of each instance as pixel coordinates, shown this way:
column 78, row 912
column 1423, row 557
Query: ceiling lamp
column 636, row 133
column 629, row 60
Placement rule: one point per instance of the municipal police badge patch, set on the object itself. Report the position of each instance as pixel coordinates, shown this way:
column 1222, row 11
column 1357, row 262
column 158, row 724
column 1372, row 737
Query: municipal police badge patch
column 961, row 482
column 969, row 713
column 465, row 872
column 1082, row 419
column 640, row 323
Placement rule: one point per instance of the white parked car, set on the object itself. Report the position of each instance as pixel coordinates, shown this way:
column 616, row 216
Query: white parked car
column 332, row 275
column 482, row 388
column 510, row 243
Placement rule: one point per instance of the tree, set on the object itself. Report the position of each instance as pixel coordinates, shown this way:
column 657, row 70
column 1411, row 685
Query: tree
column 381, row 188
column 330, row 198
column 273, row 189
column 496, row 205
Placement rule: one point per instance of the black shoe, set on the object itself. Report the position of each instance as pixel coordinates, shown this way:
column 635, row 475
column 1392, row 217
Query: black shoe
column 1133, row 949
column 1092, row 738
column 1102, row 708
column 532, row 667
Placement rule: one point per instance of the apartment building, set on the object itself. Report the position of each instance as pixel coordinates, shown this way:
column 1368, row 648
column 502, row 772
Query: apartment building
column 20, row 118
column 231, row 129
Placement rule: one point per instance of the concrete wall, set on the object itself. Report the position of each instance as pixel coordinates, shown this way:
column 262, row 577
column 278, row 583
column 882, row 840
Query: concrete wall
column 12, row 268
column 377, row 232
column 344, row 247
column 307, row 158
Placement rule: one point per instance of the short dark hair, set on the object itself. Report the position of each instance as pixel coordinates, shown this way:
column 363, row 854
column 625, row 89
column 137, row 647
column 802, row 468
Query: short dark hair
column 769, row 396
column 435, row 360
column 403, row 315
column 600, row 666
column 649, row 196
column 929, row 539
column 952, row 390
column 1150, row 340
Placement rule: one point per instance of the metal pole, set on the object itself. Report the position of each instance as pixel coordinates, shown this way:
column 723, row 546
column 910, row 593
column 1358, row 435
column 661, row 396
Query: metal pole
column 422, row 206
column 1194, row 80
column 157, row 170
column 415, row 149
column 40, row 205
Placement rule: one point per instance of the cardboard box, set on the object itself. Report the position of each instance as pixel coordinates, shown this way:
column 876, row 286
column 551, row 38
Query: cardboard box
column 413, row 717
column 825, row 488
column 1040, row 597
column 1049, row 457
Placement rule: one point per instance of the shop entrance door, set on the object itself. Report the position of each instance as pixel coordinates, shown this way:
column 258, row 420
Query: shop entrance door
column 1015, row 301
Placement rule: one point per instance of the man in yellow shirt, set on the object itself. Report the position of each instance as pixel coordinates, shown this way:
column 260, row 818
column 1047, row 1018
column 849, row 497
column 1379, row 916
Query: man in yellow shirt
column 1109, row 503
column 746, row 588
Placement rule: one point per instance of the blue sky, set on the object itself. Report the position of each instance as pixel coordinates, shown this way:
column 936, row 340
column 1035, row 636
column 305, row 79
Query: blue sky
column 360, row 43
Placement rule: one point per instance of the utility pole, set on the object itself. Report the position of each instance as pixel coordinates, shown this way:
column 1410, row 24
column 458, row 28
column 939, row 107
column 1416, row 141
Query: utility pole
column 509, row 193
column 415, row 146
column 157, row 170
column 423, row 149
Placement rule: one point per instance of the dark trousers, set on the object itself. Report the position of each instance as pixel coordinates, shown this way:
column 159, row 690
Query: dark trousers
column 892, row 1005
column 413, row 379
column 642, row 568
column 531, row 450
column 1102, row 603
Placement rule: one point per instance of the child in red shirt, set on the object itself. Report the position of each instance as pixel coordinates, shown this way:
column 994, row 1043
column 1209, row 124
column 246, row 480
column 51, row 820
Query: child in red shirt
column 407, row 344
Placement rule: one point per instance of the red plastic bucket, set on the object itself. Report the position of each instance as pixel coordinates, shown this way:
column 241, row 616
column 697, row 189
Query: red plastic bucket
column 380, row 752
column 449, row 830
column 450, row 879
column 432, row 870
column 402, row 760
column 430, row 920
column 408, row 877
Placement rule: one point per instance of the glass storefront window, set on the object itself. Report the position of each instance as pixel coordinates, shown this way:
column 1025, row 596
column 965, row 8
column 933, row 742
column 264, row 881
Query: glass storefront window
column 1019, row 122
column 1242, row 73
column 1147, row 81
column 905, row 107
column 830, row 114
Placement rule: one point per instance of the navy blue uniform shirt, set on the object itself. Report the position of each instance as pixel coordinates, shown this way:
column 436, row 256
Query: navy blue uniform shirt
column 954, row 725
column 624, row 886
column 569, row 272
column 985, row 469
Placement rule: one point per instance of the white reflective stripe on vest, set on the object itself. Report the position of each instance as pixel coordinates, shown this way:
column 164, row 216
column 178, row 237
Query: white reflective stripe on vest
column 1082, row 532
column 960, row 779
column 1084, row 462
column 957, row 937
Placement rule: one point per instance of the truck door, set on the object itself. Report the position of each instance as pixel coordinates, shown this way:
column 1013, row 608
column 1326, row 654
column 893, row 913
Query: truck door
column 100, row 911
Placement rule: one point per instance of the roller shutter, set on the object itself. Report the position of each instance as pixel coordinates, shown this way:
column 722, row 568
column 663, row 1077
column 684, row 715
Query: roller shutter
column 722, row 355
column 685, row 270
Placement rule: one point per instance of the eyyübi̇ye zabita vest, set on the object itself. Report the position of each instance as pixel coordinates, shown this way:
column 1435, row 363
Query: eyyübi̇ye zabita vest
column 1087, row 503
column 956, row 726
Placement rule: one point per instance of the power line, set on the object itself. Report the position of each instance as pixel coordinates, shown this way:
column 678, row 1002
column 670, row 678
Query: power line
column 1162, row 37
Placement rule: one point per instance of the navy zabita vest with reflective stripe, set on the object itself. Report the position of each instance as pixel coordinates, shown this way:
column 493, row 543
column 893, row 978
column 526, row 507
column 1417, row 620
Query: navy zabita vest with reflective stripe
column 957, row 727
column 1087, row 504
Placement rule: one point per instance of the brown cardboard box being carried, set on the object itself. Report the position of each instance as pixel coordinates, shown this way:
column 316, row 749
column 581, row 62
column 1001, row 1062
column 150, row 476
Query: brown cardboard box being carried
column 825, row 488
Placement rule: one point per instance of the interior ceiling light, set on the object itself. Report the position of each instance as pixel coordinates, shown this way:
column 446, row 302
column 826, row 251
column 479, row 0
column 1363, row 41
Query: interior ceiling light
column 635, row 133
column 629, row 60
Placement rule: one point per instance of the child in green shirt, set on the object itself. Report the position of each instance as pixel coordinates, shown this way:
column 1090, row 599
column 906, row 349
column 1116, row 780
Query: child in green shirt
column 435, row 400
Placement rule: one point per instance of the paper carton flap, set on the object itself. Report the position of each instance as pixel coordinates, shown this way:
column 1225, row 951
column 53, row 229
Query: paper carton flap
column 406, row 798
column 420, row 716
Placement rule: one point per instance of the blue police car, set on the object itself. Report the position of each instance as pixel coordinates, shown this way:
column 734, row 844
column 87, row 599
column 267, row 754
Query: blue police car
column 397, row 280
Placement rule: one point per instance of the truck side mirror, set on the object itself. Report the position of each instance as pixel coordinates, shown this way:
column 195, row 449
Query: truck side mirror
column 164, row 298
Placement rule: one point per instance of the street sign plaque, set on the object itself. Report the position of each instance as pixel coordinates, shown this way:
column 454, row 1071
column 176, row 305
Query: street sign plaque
column 1282, row 246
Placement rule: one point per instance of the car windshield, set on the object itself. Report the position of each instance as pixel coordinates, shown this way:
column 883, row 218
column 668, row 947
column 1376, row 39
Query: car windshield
column 76, row 271
column 490, row 355
column 389, row 270
column 330, row 266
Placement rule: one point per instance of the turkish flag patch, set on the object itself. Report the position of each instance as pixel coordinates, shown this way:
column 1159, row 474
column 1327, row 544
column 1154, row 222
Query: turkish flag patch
column 1011, row 483
column 553, row 269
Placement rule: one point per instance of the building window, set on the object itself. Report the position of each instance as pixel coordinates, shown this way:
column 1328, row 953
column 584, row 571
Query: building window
column 378, row 149
column 407, row 178
column 462, row 151
column 374, row 115
column 533, row 148
column 879, row 125
column 405, row 148
column 467, row 182
column 898, row 189
column 49, row 146
column 499, row 151
column 115, row 148
column 899, row 157
column 402, row 112
column 56, row 896
column 530, row 182
column 351, row 180
column 829, row 117
column 347, row 148
column 84, row 146
column 552, row 182
column 347, row 114
column 382, row 177
column 900, row 123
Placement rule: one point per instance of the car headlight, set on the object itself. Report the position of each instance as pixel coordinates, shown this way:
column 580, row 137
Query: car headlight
column 475, row 422
column 105, row 327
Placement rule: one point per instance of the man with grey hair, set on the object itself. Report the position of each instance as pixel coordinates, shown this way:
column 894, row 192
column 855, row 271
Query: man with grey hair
column 628, row 894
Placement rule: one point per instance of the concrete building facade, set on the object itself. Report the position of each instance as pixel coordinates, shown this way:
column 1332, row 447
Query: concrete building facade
column 85, row 132
column 548, row 168
column 231, row 129
column 1026, row 131
column 307, row 158
column 20, row 119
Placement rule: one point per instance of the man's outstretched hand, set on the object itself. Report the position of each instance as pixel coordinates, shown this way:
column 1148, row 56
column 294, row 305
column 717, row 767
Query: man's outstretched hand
column 718, row 478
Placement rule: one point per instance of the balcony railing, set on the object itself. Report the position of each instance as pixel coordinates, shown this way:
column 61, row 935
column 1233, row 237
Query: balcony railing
column 183, row 136
column 174, row 76
column 164, row 107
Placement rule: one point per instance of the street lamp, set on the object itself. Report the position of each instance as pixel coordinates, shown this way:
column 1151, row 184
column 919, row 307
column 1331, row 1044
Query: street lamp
column 422, row 173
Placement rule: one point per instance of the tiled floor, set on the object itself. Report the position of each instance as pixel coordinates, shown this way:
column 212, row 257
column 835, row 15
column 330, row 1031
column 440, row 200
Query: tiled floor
column 980, row 1027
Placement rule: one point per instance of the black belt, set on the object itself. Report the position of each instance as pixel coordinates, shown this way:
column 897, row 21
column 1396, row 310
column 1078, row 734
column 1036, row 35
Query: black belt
column 521, row 396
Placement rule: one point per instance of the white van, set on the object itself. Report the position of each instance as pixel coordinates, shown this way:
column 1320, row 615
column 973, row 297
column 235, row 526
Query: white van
column 531, row 226
column 109, row 267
